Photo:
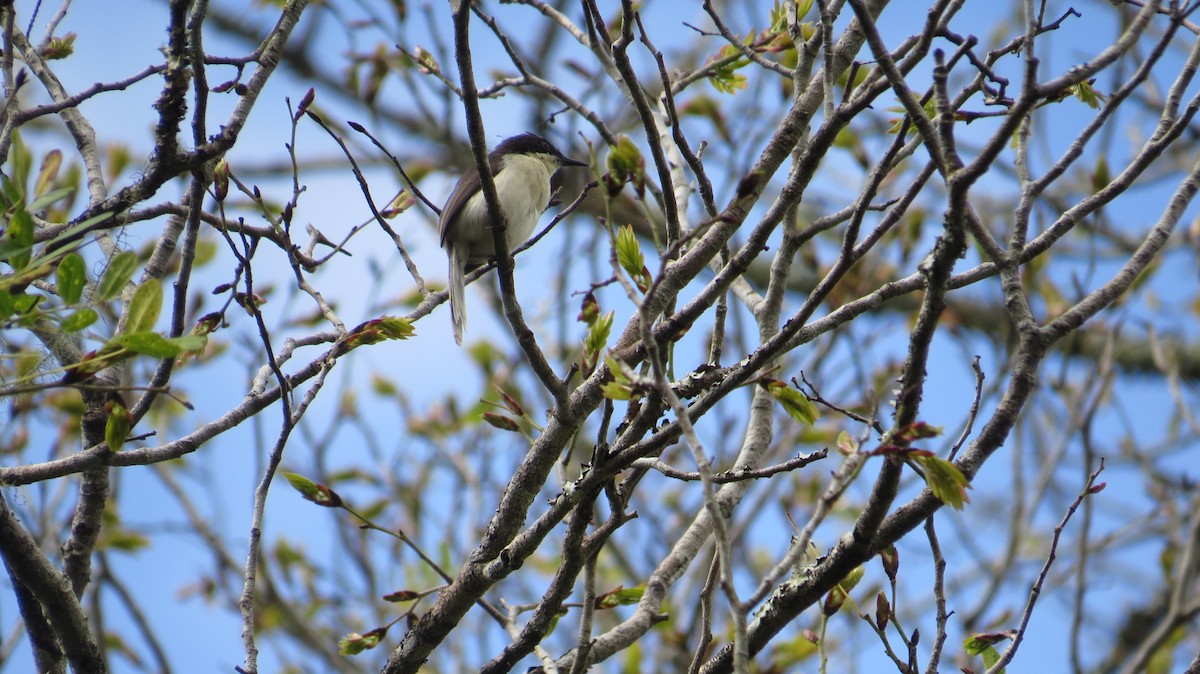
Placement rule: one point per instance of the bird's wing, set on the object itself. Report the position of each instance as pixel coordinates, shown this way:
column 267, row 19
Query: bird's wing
column 467, row 185
column 466, row 188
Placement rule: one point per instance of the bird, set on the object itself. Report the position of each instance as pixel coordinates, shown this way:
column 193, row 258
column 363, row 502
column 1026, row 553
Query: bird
column 521, row 168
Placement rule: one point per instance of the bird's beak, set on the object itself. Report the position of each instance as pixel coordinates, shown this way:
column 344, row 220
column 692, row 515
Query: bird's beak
column 567, row 161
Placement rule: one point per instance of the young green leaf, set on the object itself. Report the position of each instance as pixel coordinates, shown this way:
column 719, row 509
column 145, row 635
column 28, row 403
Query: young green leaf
column 71, row 277
column 116, row 429
column 312, row 491
column 78, row 320
column 984, row 645
column 794, row 402
column 852, row 579
column 48, row 198
column 1085, row 92
column 629, row 256
column 595, row 340
column 846, row 443
column 620, row 388
column 945, row 480
column 20, row 235
column 48, row 172
column 146, row 343
column 355, row 643
column 620, row 596
column 189, row 343
column 378, row 330
column 589, row 309
column 145, row 307
column 626, row 165
column 59, row 47
column 120, row 270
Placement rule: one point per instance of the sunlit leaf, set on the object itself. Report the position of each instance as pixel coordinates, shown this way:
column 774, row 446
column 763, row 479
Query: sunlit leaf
column 945, row 480
column 71, row 277
column 312, row 491
column 793, row 401
column 79, row 320
column 48, row 172
column 620, row 596
column 355, row 643
column 148, row 344
column 116, row 429
column 144, row 307
column 120, row 270
column 20, row 237
column 629, row 256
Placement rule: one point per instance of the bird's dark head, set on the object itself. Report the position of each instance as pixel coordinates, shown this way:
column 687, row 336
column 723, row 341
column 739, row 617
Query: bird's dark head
column 534, row 145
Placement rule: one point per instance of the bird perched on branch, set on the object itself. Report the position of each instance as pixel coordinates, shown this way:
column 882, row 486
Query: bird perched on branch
column 521, row 168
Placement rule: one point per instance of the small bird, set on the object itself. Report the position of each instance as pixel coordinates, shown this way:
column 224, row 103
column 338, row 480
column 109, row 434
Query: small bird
column 521, row 167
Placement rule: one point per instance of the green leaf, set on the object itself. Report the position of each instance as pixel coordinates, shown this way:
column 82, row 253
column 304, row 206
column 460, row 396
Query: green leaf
column 71, row 277
column 984, row 645
column 20, row 234
column 725, row 77
column 48, row 172
column 75, row 229
column 189, row 343
column 1085, row 92
column 382, row 386
column 616, row 391
column 378, row 330
column 21, row 161
column 794, row 402
column 589, row 309
column 124, row 540
column 396, row 327
column 145, row 307
column 846, row 443
column 49, row 198
column 624, row 158
column 621, row 388
column 78, row 320
column 148, row 344
column 120, row 270
column 23, row 304
column 917, row 430
column 620, row 596
column 312, row 491
column 629, row 256
column 945, row 480
column 852, row 579
column 59, row 47
column 626, row 164
column 116, row 429
column 355, row 643
column 702, row 105
column 1101, row 175
column 597, row 336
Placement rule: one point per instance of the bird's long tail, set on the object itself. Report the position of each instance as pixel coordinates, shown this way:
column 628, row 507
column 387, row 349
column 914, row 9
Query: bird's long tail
column 458, row 305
